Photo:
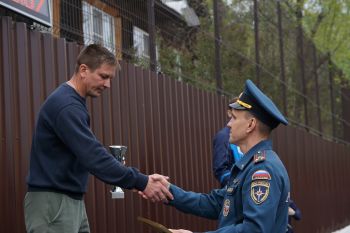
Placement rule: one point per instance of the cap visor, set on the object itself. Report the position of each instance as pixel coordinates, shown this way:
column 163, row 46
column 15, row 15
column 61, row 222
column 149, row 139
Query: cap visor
column 237, row 106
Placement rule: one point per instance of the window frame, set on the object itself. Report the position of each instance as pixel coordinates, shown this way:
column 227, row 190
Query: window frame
column 107, row 37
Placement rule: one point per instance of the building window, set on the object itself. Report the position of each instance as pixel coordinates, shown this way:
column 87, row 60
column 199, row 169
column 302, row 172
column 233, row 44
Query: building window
column 141, row 45
column 141, row 42
column 98, row 27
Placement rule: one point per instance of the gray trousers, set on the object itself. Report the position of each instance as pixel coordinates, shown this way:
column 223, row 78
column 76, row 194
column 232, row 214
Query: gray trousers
column 49, row 212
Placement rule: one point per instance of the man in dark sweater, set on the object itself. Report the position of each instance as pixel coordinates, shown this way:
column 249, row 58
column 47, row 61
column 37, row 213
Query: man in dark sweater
column 64, row 151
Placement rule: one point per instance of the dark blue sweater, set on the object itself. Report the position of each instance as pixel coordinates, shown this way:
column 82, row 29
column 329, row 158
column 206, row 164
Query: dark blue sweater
column 64, row 150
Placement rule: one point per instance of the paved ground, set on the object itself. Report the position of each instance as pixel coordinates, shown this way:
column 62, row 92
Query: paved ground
column 344, row 230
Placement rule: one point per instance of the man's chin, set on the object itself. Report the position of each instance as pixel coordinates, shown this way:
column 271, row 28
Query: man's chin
column 231, row 140
column 95, row 94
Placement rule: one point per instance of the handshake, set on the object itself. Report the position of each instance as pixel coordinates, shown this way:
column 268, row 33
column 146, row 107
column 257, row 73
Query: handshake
column 157, row 189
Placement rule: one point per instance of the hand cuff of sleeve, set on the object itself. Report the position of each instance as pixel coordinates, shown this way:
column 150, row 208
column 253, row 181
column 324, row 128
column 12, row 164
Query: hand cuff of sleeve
column 141, row 182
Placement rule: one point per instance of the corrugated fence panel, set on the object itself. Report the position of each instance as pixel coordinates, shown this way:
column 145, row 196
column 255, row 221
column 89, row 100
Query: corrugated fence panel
column 168, row 128
column 7, row 215
column 318, row 171
column 22, row 113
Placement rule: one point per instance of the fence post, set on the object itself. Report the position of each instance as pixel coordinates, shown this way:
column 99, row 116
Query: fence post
column 217, row 23
column 151, row 32
column 317, row 87
column 281, row 47
column 300, row 55
column 257, row 50
column 345, row 100
column 331, row 95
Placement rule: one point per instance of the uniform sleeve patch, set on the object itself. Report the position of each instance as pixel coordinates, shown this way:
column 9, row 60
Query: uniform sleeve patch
column 259, row 191
column 261, row 175
column 260, row 186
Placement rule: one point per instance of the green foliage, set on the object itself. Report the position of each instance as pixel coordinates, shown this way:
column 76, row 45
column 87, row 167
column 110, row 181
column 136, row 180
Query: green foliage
column 194, row 65
column 327, row 22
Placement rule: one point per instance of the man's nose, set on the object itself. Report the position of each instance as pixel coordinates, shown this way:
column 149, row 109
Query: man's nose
column 230, row 122
column 107, row 83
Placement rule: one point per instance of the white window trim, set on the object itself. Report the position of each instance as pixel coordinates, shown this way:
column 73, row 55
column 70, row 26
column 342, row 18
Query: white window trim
column 107, row 37
column 139, row 45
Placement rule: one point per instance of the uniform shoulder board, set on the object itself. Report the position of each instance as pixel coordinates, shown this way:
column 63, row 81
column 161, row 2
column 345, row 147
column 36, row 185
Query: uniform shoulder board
column 259, row 157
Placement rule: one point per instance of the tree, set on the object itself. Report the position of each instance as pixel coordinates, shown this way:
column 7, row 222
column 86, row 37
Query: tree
column 327, row 23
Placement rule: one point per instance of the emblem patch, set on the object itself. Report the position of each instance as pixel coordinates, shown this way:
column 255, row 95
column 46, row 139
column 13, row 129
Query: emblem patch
column 261, row 175
column 226, row 208
column 259, row 191
column 260, row 186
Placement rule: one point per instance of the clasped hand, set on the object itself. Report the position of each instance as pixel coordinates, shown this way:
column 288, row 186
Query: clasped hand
column 157, row 189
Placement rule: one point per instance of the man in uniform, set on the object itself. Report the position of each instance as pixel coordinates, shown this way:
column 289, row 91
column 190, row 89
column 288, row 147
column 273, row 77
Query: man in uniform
column 256, row 196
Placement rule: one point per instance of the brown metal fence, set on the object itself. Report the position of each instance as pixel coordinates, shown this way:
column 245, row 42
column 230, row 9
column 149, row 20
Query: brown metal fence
column 167, row 126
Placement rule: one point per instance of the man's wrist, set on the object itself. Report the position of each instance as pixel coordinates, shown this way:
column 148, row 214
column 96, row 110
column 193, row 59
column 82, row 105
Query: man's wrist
column 141, row 182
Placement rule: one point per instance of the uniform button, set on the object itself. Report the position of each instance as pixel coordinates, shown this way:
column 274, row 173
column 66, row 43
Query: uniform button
column 242, row 166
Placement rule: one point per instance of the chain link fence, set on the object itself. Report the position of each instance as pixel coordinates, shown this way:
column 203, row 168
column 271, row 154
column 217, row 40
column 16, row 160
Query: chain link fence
column 259, row 40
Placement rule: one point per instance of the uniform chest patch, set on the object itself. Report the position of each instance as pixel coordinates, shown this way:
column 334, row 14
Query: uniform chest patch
column 226, row 208
column 260, row 186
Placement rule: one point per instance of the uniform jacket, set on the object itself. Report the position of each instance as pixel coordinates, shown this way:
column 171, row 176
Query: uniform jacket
column 255, row 199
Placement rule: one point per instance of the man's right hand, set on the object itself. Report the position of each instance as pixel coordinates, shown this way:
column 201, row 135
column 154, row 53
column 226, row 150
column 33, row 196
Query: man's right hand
column 157, row 189
column 291, row 211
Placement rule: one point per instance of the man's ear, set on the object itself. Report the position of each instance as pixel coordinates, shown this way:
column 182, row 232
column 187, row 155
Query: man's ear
column 229, row 114
column 252, row 124
column 82, row 70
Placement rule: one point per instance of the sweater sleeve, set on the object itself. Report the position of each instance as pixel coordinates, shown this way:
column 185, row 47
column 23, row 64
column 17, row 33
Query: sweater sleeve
column 72, row 128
